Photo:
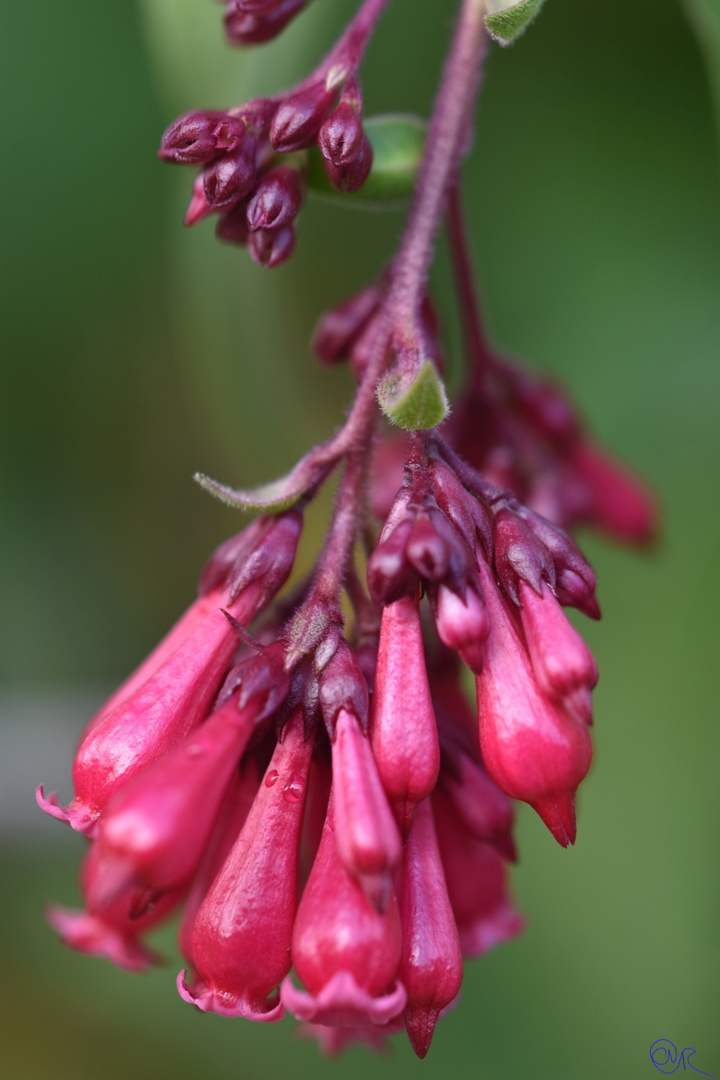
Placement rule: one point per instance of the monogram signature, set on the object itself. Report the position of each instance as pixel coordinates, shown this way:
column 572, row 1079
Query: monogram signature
column 664, row 1056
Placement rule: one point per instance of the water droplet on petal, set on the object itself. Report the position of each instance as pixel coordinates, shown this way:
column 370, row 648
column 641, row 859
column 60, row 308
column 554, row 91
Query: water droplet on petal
column 271, row 778
column 293, row 790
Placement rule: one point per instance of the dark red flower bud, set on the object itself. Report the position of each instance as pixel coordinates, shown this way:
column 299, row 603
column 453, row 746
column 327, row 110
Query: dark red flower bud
column 352, row 176
column 343, row 686
column 300, row 116
column 519, row 554
column 271, row 247
column 232, row 177
column 244, row 27
column 575, row 585
column 276, row 199
column 339, row 328
column 341, row 137
column 389, row 574
column 233, row 227
column 192, row 139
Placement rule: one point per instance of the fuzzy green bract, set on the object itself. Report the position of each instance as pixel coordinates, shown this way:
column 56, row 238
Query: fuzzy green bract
column 415, row 405
column 507, row 20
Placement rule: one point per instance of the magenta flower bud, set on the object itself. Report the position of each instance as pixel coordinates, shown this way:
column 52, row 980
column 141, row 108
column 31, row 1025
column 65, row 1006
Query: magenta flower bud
column 198, row 137
column 198, row 208
column 519, row 555
column 352, row 175
column 621, row 504
column 345, row 952
column 275, row 200
column 300, row 116
column 485, row 810
column 339, row 328
column 431, row 962
column 152, row 720
column 427, row 549
column 476, row 881
column 244, row 27
column 232, row 177
column 403, row 732
column 462, row 624
column 243, row 930
column 455, row 503
column 232, row 227
column 532, row 749
column 235, row 807
column 563, row 664
column 155, row 828
column 367, row 838
column 543, row 404
column 272, row 247
column 341, row 137
column 343, row 686
column 266, row 566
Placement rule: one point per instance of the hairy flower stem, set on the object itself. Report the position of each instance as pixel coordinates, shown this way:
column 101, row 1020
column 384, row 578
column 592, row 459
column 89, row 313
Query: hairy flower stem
column 438, row 172
column 476, row 348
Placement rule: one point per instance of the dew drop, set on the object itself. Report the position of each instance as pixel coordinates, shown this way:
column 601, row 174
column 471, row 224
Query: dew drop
column 271, row 778
column 293, row 790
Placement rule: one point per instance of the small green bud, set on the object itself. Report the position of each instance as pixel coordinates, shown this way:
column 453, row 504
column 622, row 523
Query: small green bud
column 397, row 142
column 508, row 19
column 416, row 403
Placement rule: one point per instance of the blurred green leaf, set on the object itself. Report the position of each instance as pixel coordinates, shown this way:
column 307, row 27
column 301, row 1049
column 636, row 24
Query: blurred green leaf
column 704, row 16
column 397, row 142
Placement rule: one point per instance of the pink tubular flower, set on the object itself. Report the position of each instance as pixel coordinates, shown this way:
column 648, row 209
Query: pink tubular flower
column 241, row 938
column 115, row 931
column 563, row 664
column 403, row 732
column 532, row 749
column 367, row 837
column 620, row 503
column 153, row 719
column 431, row 962
column 476, row 882
column 154, row 830
column 345, row 952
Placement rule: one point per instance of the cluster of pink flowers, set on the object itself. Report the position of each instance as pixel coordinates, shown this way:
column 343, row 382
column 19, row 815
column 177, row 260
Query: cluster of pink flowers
column 315, row 793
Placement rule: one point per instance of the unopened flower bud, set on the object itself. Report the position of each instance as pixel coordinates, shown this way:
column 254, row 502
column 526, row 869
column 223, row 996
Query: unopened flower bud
column 275, row 200
column 403, row 732
column 244, row 27
column 338, row 329
column 343, row 686
column 476, row 880
column 232, row 227
column 300, row 116
column 563, row 664
column 367, row 837
column 272, row 247
column 389, row 573
column 192, row 138
column 575, row 580
column 532, row 749
column 232, row 177
column 519, row 555
column 462, row 624
column 621, row 504
column 352, row 175
column 341, row 137
column 431, row 961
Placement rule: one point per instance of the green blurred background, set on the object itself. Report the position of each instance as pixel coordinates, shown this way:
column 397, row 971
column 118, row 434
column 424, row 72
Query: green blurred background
column 136, row 352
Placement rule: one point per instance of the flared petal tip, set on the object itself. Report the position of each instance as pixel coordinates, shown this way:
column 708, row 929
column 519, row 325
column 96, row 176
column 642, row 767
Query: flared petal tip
column 75, row 814
column 224, row 1003
column 87, row 934
column 342, row 1003
column 334, row 1040
column 558, row 813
